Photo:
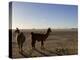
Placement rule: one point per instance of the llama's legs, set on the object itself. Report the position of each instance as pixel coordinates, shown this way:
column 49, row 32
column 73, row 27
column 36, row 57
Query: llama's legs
column 42, row 44
column 33, row 44
column 21, row 46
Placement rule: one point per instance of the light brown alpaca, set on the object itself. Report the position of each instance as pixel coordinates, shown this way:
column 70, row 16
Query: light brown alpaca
column 39, row 37
column 20, row 39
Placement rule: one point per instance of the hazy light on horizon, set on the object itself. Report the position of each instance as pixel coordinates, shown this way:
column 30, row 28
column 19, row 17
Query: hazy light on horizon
column 33, row 15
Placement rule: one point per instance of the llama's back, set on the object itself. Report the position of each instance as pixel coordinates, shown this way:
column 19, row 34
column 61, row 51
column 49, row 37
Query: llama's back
column 38, row 36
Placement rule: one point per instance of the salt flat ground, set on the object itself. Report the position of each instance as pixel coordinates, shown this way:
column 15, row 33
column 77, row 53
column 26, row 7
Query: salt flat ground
column 59, row 42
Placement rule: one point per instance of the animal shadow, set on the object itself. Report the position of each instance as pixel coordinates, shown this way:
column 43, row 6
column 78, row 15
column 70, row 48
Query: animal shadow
column 26, row 55
column 29, row 54
column 41, row 52
column 49, row 51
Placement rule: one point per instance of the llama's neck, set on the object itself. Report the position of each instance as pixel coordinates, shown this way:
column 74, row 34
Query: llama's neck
column 47, row 34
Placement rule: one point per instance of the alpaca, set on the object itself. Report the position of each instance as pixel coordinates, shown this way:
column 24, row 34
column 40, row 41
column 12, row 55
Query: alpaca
column 20, row 39
column 39, row 37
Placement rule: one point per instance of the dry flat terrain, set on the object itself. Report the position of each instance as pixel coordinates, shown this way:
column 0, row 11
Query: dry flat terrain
column 59, row 42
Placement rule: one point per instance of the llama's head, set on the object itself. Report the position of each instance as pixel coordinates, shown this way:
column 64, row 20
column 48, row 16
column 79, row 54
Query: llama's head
column 49, row 29
column 48, row 32
column 17, row 31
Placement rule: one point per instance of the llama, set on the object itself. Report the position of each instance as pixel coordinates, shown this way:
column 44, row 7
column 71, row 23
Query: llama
column 39, row 37
column 20, row 39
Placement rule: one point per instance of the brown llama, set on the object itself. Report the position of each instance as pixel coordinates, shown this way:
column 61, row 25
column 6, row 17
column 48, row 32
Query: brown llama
column 39, row 37
column 20, row 39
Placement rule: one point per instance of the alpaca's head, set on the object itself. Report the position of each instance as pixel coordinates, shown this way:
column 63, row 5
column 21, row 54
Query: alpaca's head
column 49, row 29
column 47, row 34
column 17, row 31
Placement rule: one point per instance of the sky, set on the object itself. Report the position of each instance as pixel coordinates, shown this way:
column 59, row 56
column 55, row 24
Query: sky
column 27, row 15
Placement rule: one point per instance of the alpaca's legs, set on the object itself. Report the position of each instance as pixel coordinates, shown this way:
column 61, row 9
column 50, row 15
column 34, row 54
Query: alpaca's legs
column 42, row 44
column 33, row 44
column 19, row 46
